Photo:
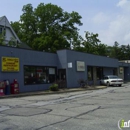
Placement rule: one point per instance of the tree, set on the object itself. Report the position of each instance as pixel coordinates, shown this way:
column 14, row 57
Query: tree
column 2, row 40
column 48, row 27
column 124, row 52
column 120, row 52
column 12, row 42
column 128, row 52
column 18, row 29
column 93, row 45
column 114, row 51
column 102, row 49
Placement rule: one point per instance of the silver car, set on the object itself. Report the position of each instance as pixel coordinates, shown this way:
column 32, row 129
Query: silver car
column 111, row 80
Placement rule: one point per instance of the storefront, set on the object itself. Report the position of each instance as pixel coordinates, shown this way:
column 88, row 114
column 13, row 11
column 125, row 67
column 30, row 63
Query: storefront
column 36, row 70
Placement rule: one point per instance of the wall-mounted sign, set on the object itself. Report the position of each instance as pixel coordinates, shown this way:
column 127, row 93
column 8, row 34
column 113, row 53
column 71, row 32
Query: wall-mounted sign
column 80, row 66
column 121, row 70
column 70, row 65
column 10, row 64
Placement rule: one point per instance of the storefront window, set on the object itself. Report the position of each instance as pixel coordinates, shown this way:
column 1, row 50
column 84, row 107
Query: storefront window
column 29, row 75
column 39, row 74
column 99, row 73
column 52, row 74
column 90, row 73
column 115, row 71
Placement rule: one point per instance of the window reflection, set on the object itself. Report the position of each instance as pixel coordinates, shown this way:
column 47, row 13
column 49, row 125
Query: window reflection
column 99, row 73
column 90, row 73
column 39, row 74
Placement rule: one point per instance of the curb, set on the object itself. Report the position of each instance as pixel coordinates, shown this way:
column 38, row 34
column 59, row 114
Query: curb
column 50, row 92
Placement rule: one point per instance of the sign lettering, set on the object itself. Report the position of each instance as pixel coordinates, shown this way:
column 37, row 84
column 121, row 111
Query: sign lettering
column 10, row 64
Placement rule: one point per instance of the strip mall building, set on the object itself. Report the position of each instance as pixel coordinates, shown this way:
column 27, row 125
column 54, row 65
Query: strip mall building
column 36, row 71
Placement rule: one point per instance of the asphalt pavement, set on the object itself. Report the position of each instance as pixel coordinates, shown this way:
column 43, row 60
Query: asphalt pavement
column 46, row 92
column 100, row 109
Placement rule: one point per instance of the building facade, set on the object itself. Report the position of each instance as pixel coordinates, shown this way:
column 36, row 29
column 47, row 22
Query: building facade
column 7, row 31
column 9, row 36
column 36, row 70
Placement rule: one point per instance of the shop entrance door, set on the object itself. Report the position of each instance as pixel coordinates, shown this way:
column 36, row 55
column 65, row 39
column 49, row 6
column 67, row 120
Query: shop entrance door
column 62, row 78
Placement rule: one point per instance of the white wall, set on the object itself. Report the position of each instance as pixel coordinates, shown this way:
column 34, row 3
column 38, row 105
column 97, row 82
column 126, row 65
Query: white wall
column 9, row 31
column 8, row 34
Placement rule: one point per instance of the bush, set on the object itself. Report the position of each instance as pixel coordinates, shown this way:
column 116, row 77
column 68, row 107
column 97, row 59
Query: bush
column 54, row 87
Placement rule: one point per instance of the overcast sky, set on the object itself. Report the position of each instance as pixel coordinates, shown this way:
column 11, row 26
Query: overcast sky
column 109, row 18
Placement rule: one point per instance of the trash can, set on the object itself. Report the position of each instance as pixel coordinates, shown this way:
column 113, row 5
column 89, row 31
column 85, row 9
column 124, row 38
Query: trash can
column 7, row 87
column 2, row 88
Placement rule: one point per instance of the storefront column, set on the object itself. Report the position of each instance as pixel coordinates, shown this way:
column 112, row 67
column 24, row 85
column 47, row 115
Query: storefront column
column 94, row 76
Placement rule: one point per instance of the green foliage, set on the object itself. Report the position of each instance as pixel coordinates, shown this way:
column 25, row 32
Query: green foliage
column 12, row 42
column 2, row 41
column 48, row 27
column 17, row 28
column 119, row 52
column 54, row 87
column 93, row 45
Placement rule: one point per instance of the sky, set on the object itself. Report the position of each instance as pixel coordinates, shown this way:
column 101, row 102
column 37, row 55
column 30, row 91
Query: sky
column 109, row 18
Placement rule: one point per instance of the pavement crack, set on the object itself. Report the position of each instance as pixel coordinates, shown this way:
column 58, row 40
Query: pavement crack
column 87, row 112
column 80, row 105
column 74, row 117
column 53, row 123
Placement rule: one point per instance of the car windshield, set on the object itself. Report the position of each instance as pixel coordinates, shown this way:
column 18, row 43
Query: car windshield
column 113, row 77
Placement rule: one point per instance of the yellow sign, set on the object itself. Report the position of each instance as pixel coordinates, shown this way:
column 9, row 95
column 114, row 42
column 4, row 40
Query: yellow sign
column 10, row 64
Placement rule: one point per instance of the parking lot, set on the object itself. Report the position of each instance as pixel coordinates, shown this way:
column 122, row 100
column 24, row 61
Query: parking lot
column 84, row 110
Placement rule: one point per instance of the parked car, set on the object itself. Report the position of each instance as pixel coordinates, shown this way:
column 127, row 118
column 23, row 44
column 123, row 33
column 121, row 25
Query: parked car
column 111, row 80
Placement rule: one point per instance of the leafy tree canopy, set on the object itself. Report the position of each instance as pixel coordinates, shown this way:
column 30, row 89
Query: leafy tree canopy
column 91, row 44
column 48, row 27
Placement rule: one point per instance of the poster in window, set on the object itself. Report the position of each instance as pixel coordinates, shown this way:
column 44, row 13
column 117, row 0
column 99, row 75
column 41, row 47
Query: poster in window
column 80, row 66
column 51, row 70
column 121, row 70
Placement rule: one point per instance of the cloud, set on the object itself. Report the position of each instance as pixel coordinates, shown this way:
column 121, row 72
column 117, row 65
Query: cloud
column 118, row 30
column 127, row 37
column 117, row 25
column 124, row 4
column 121, row 3
column 100, row 18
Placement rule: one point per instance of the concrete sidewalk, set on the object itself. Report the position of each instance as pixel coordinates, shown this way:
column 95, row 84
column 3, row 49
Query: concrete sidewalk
column 52, row 92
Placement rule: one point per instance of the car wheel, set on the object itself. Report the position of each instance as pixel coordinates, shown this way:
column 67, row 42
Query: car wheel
column 120, row 85
column 108, row 84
